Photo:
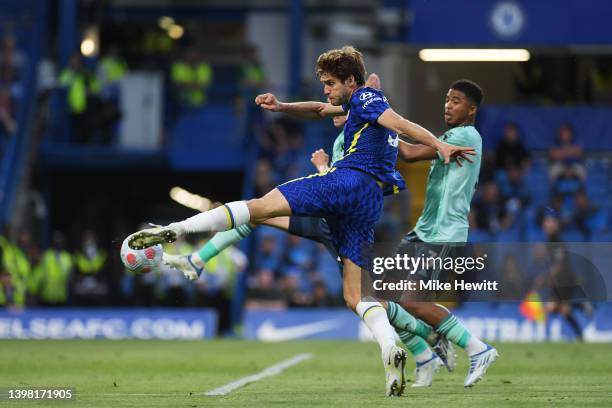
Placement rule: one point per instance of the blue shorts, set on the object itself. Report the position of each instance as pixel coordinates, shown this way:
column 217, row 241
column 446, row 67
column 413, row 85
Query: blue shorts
column 351, row 201
column 315, row 229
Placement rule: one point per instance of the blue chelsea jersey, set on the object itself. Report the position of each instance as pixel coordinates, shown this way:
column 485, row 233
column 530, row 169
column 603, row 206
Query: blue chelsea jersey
column 368, row 146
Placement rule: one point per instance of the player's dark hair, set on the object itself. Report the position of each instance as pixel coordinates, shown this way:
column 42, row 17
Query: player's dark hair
column 471, row 90
column 342, row 63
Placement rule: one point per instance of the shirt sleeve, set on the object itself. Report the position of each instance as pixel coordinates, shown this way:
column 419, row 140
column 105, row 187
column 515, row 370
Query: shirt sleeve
column 369, row 106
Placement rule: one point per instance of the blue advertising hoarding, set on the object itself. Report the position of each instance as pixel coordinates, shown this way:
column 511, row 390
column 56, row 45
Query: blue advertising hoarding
column 116, row 324
column 493, row 322
column 528, row 22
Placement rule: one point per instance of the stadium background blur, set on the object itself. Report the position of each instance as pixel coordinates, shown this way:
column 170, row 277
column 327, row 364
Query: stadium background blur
column 117, row 113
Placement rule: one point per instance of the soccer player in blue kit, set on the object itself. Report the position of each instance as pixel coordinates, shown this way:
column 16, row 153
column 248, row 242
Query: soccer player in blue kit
column 349, row 195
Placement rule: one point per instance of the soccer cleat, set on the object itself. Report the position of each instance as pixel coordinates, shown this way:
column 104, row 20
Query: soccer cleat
column 395, row 361
column 184, row 264
column 152, row 236
column 424, row 372
column 446, row 352
column 479, row 364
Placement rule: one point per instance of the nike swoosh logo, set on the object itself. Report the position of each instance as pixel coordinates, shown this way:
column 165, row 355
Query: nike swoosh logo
column 268, row 332
column 592, row 335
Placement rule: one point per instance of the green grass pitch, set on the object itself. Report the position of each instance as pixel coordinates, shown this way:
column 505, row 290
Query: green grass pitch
column 176, row 374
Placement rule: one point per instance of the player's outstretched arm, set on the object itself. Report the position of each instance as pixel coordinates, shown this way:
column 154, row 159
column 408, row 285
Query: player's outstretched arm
column 416, row 152
column 304, row 110
column 391, row 120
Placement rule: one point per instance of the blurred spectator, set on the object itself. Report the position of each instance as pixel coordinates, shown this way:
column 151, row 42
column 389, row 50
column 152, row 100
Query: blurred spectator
column 554, row 207
column 264, row 293
column 111, row 69
column 514, row 188
column 6, row 289
column 54, row 273
column 510, row 151
column 512, row 280
column 17, row 270
column 269, row 251
column 321, row 297
column 171, row 286
column 584, row 213
column 490, row 212
column 81, row 85
column 12, row 63
column 216, row 288
column 488, row 167
column 568, row 183
column 551, row 226
column 600, row 79
column 292, row 290
column 90, row 287
column 8, row 124
column 263, row 177
column 252, row 75
column 559, row 279
column 191, row 77
column 529, row 81
column 567, row 153
column 298, row 253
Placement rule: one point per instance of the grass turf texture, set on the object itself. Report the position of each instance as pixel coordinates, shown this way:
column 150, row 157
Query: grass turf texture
column 175, row 374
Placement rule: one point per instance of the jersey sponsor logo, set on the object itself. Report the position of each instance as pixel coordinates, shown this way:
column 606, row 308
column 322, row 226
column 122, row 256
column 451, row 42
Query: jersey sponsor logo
column 369, row 101
column 366, row 95
column 393, row 140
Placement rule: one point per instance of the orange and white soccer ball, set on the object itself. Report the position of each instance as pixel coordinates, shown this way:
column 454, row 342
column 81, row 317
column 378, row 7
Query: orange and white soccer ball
column 141, row 260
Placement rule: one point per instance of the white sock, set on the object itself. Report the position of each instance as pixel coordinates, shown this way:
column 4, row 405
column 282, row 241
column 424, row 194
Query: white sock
column 375, row 317
column 227, row 216
column 423, row 356
column 474, row 346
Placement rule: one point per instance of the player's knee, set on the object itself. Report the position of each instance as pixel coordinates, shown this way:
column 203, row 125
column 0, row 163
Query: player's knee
column 271, row 205
column 351, row 300
column 414, row 308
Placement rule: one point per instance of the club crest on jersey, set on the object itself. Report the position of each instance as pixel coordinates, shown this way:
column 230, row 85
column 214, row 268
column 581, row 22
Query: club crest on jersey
column 393, row 139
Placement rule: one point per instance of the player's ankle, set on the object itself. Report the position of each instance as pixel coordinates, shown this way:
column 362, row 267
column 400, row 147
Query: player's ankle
column 197, row 260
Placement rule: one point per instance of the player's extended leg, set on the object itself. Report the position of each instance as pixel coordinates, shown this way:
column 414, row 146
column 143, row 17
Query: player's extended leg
column 374, row 316
column 192, row 265
column 427, row 362
column 481, row 354
column 411, row 323
column 225, row 217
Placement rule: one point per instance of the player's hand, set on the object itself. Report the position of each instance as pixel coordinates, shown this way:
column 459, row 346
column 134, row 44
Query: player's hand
column 449, row 151
column 320, row 160
column 461, row 155
column 373, row 81
column 268, row 101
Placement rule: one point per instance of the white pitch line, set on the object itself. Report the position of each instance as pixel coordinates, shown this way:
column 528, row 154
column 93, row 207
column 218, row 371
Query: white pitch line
column 267, row 372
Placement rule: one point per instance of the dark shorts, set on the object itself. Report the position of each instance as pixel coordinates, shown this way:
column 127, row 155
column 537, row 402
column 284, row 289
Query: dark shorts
column 415, row 247
column 350, row 201
column 315, row 229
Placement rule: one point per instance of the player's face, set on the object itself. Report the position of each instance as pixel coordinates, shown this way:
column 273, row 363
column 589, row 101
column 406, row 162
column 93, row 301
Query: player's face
column 457, row 108
column 337, row 92
column 339, row 121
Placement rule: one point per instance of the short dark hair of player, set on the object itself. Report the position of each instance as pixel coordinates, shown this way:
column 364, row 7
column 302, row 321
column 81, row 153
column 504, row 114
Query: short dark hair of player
column 342, row 63
column 471, row 90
